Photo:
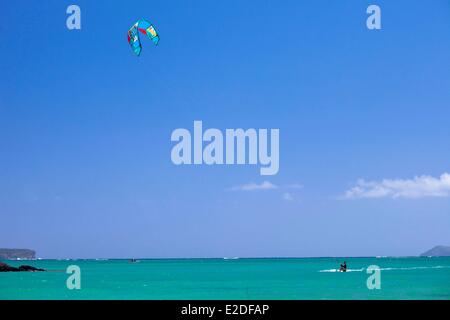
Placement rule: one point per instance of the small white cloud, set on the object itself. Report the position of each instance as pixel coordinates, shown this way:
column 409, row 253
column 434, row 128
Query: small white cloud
column 266, row 185
column 288, row 196
column 418, row 187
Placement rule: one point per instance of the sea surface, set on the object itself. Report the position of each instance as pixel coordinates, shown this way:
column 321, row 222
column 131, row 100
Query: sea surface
column 303, row 278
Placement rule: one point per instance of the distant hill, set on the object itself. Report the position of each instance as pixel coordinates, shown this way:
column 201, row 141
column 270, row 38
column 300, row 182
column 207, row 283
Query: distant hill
column 438, row 251
column 14, row 254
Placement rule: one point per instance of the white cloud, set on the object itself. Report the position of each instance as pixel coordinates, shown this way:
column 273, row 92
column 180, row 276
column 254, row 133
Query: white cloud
column 418, row 187
column 266, row 185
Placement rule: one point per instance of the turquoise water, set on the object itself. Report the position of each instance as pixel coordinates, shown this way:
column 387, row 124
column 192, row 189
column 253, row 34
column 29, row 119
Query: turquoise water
column 315, row 278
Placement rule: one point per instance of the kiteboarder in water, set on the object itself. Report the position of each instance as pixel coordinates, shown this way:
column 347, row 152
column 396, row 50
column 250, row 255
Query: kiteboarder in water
column 343, row 267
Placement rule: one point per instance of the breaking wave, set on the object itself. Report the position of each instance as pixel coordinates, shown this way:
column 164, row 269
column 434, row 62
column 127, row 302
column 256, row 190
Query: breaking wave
column 337, row 270
column 388, row 269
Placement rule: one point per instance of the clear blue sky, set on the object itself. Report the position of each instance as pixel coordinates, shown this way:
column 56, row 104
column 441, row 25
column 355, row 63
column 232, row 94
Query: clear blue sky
column 85, row 127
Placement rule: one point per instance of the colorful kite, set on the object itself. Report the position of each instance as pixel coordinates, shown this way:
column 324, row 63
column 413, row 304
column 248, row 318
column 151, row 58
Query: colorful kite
column 145, row 27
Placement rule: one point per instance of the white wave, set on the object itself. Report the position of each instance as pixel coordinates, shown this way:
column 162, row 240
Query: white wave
column 337, row 270
column 388, row 269
column 414, row 268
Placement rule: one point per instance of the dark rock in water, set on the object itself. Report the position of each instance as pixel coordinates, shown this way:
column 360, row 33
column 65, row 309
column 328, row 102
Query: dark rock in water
column 29, row 268
column 13, row 254
column 7, row 268
column 438, row 251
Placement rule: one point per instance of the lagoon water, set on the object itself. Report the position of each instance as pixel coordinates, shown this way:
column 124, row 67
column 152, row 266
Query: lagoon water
column 303, row 278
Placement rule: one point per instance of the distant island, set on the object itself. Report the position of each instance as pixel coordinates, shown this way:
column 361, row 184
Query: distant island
column 438, row 251
column 16, row 254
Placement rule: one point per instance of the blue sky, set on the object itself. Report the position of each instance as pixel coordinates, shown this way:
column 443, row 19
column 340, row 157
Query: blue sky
column 85, row 168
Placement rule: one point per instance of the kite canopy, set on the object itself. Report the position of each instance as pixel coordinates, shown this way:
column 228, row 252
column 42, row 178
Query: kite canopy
column 144, row 27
